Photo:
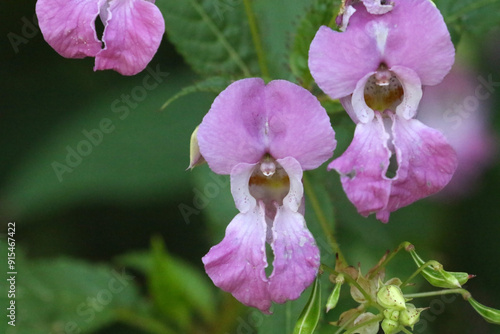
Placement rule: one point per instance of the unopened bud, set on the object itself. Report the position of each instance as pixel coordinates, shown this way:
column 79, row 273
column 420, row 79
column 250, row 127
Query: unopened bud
column 489, row 314
column 410, row 316
column 391, row 297
column 389, row 326
column 391, row 314
column 195, row 157
column 334, row 297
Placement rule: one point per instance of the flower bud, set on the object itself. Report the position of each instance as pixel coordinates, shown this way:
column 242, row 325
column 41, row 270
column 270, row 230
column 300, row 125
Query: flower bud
column 391, row 314
column 195, row 157
column 410, row 316
column 489, row 314
column 334, row 297
column 391, row 297
column 389, row 326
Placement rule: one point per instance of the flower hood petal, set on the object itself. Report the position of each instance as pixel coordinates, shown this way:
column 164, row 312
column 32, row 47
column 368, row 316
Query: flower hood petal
column 426, row 163
column 297, row 125
column 362, row 167
column 132, row 34
column 69, row 26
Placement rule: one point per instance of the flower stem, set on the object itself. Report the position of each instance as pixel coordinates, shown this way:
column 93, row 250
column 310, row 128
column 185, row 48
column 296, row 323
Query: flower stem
column 422, row 267
column 323, row 221
column 256, row 39
column 463, row 292
column 405, row 330
column 364, row 323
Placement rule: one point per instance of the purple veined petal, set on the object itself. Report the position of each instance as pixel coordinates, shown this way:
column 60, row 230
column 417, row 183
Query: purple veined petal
column 339, row 60
column 233, row 130
column 412, row 91
column 237, row 264
column 296, row 256
column 132, row 34
column 361, row 110
column 297, row 125
column 362, row 167
column 419, row 40
column 426, row 163
column 240, row 176
column 69, row 26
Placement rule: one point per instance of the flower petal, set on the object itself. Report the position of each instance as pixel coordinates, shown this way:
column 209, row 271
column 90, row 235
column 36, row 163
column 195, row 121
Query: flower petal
column 237, row 263
column 412, row 91
column 376, row 7
column 68, row 26
column 240, row 176
column 296, row 256
column 132, row 34
column 338, row 60
column 233, row 129
column 426, row 163
column 358, row 103
column 419, row 39
column 363, row 166
column 297, row 125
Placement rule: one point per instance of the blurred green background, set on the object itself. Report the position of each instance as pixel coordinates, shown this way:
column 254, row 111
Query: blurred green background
column 77, row 232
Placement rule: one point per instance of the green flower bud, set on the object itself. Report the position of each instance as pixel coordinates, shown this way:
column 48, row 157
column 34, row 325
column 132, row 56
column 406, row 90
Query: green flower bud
column 489, row 314
column 410, row 316
column 391, row 297
column 334, row 297
column 391, row 314
column 195, row 157
column 389, row 326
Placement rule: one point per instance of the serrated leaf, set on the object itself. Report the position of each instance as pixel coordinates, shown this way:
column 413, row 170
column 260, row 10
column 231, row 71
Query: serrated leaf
column 322, row 12
column 213, row 36
column 178, row 289
column 309, row 318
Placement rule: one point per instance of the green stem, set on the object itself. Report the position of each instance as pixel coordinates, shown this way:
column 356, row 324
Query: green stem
column 144, row 323
column 463, row 292
column 322, row 218
column 422, row 267
column 389, row 258
column 404, row 330
column 256, row 39
column 215, row 30
column 472, row 6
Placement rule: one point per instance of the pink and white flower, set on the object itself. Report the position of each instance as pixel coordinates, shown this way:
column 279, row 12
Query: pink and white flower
column 133, row 30
column 377, row 68
column 264, row 136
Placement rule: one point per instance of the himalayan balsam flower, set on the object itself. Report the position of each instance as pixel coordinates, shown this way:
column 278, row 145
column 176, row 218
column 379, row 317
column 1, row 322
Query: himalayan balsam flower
column 377, row 68
column 133, row 30
column 264, row 136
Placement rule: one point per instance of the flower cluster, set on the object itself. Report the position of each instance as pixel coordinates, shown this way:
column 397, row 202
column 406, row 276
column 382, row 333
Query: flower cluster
column 265, row 136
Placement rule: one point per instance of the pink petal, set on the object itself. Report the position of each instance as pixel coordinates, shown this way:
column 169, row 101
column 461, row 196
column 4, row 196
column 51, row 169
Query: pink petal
column 297, row 125
column 68, row 26
column 412, row 91
column 338, row 60
column 132, row 34
column 426, row 163
column 363, row 166
column 419, row 40
column 240, row 177
column 296, row 256
column 375, row 7
column 237, row 263
column 233, row 130
column 358, row 103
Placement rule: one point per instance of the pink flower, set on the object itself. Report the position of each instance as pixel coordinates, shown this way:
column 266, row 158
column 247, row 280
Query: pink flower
column 264, row 136
column 133, row 30
column 377, row 68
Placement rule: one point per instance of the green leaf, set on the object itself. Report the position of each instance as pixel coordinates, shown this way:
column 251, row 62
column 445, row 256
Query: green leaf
column 213, row 37
column 472, row 16
column 489, row 314
column 178, row 289
column 67, row 295
column 322, row 12
column 309, row 318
